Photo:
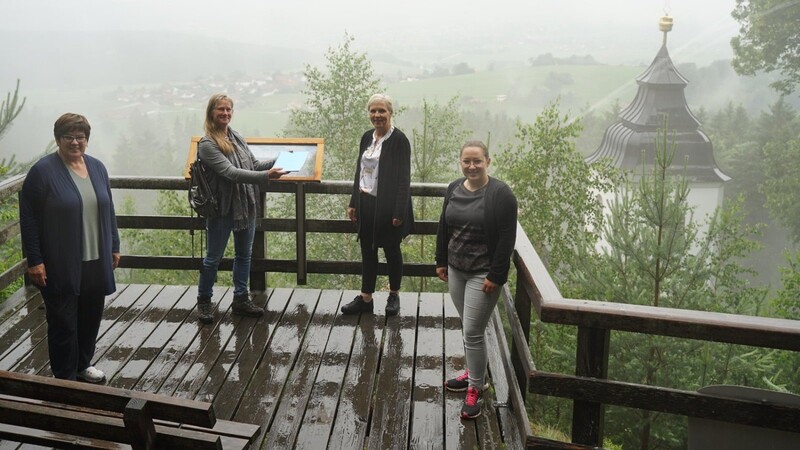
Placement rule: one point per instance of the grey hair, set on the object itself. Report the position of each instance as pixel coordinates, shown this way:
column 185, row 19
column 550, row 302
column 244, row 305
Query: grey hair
column 381, row 98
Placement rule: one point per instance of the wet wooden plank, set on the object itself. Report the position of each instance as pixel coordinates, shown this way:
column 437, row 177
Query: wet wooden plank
column 23, row 333
column 50, row 440
column 290, row 413
column 240, row 358
column 141, row 359
column 316, row 382
column 428, row 394
column 191, row 370
column 503, row 382
column 125, row 336
column 17, row 306
column 221, row 362
column 459, row 434
column 37, row 359
column 16, row 330
column 321, row 409
column 208, row 372
column 19, row 352
column 390, row 416
column 174, row 350
column 267, row 385
column 352, row 417
column 488, row 424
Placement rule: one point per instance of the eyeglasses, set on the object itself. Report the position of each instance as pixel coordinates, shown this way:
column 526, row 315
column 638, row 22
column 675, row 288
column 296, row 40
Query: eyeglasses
column 70, row 138
column 473, row 162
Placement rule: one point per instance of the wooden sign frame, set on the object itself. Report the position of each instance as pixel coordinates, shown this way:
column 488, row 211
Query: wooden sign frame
column 270, row 148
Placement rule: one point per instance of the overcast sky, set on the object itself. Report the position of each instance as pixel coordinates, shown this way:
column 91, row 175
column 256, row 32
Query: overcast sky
column 377, row 26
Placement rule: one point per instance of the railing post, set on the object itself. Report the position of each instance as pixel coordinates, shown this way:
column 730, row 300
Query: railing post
column 591, row 360
column 300, row 238
column 26, row 280
column 258, row 280
column 522, row 305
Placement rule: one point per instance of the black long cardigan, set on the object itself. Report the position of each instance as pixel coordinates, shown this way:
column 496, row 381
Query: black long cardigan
column 394, row 189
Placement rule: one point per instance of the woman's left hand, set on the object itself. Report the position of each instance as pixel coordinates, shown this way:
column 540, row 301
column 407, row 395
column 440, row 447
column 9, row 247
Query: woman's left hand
column 115, row 257
column 489, row 286
column 396, row 222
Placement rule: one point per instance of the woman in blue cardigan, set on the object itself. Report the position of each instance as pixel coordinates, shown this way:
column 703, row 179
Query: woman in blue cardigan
column 474, row 242
column 70, row 237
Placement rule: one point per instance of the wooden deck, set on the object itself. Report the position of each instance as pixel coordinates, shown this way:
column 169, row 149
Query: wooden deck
column 311, row 377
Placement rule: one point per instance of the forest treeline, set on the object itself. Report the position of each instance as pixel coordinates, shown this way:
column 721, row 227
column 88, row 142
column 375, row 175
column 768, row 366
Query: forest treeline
column 730, row 268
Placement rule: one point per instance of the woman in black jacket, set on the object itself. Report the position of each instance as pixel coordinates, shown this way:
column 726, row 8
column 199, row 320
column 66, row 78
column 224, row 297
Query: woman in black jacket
column 381, row 203
column 474, row 242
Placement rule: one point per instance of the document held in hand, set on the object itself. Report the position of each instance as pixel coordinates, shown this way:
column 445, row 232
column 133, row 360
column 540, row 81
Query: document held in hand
column 291, row 161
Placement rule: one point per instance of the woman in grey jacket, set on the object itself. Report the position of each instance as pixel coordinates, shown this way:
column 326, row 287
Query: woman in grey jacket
column 234, row 177
column 474, row 242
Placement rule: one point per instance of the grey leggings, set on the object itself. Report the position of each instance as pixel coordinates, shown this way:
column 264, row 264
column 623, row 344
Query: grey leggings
column 475, row 308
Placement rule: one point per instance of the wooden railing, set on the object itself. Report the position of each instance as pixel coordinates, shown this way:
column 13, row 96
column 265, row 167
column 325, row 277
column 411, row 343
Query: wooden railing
column 300, row 225
column 589, row 387
column 535, row 292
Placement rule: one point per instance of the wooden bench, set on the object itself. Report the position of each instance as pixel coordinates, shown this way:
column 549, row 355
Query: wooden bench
column 70, row 414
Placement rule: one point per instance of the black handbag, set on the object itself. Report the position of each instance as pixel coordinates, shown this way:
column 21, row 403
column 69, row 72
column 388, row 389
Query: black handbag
column 201, row 198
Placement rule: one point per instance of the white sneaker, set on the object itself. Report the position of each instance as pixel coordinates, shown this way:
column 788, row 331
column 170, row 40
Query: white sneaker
column 91, row 375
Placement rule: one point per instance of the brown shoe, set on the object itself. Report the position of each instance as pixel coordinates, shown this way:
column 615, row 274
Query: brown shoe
column 205, row 310
column 243, row 306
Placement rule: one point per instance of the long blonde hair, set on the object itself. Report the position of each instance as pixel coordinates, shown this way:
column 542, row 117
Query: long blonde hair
column 217, row 135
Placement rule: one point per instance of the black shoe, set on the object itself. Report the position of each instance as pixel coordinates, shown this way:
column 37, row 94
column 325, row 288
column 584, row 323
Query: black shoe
column 358, row 305
column 243, row 306
column 392, row 305
column 205, row 310
column 472, row 404
column 461, row 382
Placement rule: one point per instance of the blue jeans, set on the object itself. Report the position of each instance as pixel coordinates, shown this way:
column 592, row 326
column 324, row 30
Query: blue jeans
column 218, row 230
column 475, row 308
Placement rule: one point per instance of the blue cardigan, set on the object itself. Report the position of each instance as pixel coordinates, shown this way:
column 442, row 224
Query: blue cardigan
column 51, row 222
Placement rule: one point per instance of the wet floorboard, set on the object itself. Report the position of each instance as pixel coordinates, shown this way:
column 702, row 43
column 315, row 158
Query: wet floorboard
column 311, row 377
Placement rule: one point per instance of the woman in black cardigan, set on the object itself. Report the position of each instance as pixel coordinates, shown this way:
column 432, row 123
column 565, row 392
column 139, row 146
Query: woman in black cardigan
column 381, row 204
column 477, row 231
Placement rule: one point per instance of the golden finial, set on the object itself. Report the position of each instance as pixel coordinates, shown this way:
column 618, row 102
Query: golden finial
column 665, row 25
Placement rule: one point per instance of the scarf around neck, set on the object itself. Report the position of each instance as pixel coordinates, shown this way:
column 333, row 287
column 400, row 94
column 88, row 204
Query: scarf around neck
column 244, row 195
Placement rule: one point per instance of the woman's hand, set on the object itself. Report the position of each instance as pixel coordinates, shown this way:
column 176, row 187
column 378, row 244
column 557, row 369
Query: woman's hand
column 115, row 257
column 441, row 272
column 38, row 275
column 276, row 172
column 351, row 213
column 489, row 286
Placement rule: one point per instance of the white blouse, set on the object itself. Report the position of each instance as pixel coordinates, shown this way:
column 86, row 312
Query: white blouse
column 369, row 164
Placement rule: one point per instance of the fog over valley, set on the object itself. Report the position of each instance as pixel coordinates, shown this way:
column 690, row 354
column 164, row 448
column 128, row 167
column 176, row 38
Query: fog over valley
column 111, row 60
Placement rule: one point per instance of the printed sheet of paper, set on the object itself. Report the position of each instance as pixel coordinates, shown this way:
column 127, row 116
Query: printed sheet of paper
column 291, row 161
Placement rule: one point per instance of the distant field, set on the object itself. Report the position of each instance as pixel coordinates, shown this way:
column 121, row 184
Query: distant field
column 506, row 90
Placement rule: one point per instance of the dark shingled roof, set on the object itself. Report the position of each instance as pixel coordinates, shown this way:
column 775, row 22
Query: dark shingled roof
column 632, row 136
